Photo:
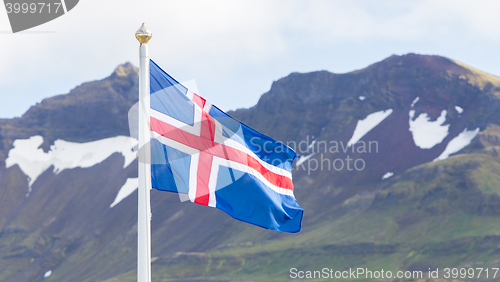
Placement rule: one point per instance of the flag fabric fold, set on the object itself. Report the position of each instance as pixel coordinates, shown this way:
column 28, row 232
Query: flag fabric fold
column 217, row 161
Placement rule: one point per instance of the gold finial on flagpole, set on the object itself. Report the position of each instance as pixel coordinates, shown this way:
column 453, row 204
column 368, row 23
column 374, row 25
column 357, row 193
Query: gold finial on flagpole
column 143, row 34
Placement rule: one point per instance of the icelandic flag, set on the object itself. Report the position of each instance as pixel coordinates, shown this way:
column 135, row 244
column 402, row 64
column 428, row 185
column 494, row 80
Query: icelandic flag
column 217, row 161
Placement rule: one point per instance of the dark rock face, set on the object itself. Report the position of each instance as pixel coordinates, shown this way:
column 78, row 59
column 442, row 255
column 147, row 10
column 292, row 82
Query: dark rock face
column 92, row 111
column 326, row 107
column 312, row 103
column 67, row 226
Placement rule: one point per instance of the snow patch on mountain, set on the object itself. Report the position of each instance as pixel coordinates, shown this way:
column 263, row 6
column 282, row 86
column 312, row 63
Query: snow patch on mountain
column 364, row 126
column 361, row 98
column 427, row 134
column 459, row 109
column 303, row 159
column 458, row 143
column 128, row 188
column 33, row 161
column 415, row 101
column 311, row 145
column 387, row 175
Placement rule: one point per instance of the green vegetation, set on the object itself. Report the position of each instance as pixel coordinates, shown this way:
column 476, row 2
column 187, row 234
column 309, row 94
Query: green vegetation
column 436, row 215
column 428, row 215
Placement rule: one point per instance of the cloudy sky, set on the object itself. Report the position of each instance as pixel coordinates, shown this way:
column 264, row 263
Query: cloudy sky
column 234, row 50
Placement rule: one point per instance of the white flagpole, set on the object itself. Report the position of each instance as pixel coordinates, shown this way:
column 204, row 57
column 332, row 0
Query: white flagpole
column 144, row 162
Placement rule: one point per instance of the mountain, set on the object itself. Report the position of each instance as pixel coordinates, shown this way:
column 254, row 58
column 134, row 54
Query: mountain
column 399, row 171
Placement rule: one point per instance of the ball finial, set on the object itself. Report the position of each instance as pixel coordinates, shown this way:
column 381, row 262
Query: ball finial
column 143, row 34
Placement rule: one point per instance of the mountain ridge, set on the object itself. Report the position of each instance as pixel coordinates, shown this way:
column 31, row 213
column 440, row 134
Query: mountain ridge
column 417, row 218
column 108, row 98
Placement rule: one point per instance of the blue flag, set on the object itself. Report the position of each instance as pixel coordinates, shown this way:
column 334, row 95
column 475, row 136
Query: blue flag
column 217, row 161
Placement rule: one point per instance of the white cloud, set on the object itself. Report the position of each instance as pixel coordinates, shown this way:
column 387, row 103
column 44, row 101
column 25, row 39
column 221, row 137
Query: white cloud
column 237, row 48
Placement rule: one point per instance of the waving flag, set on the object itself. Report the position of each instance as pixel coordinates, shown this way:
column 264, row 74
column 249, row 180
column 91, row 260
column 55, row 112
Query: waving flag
column 199, row 150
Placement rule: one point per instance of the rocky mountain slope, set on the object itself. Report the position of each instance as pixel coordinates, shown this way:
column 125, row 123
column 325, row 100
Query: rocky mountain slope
column 380, row 181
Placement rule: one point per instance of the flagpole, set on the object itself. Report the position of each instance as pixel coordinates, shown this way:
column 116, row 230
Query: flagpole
column 144, row 207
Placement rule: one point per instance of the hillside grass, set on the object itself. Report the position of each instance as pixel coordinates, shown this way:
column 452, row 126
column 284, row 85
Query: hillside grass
column 415, row 222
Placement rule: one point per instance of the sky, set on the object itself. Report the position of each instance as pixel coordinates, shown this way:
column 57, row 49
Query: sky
column 234, row 50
